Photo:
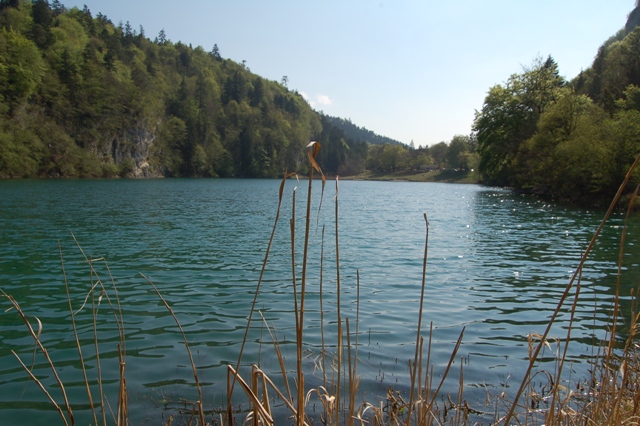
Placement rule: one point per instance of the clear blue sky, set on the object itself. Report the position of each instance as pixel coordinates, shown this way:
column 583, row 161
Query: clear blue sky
column 412, row 70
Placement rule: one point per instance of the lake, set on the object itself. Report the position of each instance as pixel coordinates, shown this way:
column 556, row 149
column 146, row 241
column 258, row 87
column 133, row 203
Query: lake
column 497, row 264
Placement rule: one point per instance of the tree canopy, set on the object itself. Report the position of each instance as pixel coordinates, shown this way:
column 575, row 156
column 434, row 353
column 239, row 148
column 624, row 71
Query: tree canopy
column 509, row 117
column 572, row 141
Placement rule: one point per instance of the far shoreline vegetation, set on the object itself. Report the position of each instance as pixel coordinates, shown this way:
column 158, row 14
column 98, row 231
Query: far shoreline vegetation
column 83, row 97
column 445, row 176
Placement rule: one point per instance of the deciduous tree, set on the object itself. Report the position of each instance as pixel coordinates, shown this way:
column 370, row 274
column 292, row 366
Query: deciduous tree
column 509, row 117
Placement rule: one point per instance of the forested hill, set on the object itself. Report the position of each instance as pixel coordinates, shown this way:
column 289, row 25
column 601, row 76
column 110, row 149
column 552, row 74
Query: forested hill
column 570, row 140
column 80, row 96
column 356, row 132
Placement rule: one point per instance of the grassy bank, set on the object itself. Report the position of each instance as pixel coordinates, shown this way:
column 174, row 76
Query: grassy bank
column 448, row 176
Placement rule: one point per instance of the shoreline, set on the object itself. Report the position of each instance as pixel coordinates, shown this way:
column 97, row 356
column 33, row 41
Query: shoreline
column 444, row 176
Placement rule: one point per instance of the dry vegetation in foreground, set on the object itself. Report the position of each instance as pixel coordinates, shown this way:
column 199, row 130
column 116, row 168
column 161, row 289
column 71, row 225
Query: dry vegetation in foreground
column 611, row 396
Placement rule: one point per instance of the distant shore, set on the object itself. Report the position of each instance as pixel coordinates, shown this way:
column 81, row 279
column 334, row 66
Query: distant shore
column 449, row 176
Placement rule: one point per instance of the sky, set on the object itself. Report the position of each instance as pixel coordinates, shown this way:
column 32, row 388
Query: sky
column 412, row 70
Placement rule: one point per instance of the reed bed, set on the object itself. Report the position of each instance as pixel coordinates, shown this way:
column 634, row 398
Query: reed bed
column 610, row 396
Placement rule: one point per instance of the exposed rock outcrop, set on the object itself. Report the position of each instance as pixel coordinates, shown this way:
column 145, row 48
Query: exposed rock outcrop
column 132, row 149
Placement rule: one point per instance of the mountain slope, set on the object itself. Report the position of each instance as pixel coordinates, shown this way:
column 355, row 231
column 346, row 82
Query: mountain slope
column 80, row 96
column 355, row 132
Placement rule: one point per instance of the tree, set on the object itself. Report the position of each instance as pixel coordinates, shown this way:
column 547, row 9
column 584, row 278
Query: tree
column 162, row 37
column 456, row 151
column 16, row 16
column 630, row 99
column 215, row 52
column 392, row 156
column 625, row 133
column 5, row 4
column 21, row 68
column 256, row 94
column 42, row 20
column 57, row 7
column 621, row 68
column 419, row 159
column 439, row 152
column 541, row 162
column 509, row 117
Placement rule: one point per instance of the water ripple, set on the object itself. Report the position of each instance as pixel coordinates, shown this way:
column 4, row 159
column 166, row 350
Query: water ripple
column 498, row 262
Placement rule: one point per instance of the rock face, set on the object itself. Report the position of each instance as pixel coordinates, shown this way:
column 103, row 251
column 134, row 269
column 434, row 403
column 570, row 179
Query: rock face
column 133, row 150
column 633, row 20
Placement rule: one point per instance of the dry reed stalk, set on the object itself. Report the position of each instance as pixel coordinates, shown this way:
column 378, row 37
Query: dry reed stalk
column 123, row 411
column 200, row 401
column 322, row 345
column 607, row 403
column 296, row 307
column 424, row 281
column 446, row 371
column 338, row 309
column 77, row 339
column 353, row 381
column 36, row 338
column 460, row 388
column 630, row 369
column 41, row 386
column 558, row 374
column 117, row 313
column 265, row 390
column 568, row 288
column 229, row 411
column 288, row 402
column 255, row 297
column 254, row 390
column 614, row 389
column 94, row 318
column 419, row 400
column 312, row 151
column 376, row 418
column 261, row 411
column 276, row 347
column 426, row 393
column 328, row 402
column 395, row 407
column 357, row 317
column 294, row 281
column 619, row 399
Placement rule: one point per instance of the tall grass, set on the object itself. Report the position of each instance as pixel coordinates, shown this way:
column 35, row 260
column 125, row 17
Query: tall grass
column 610, row 396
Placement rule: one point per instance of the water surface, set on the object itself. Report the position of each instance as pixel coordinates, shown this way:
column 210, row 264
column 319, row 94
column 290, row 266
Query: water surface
column 498, row 263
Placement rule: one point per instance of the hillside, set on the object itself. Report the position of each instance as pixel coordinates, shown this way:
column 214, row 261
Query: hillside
column 355, row 132
column 82, row 97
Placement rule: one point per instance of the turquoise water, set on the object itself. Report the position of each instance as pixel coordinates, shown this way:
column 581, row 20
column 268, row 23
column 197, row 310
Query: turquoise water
column 497, row 265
